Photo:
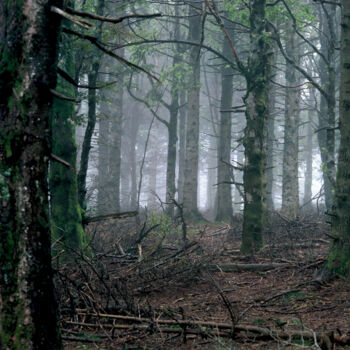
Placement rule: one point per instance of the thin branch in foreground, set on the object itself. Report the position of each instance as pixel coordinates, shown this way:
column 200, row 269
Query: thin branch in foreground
column 107, row 19
column 61, row 96
column 70, row 80
column 75, row 20
column 93, row 40
column 60, row 160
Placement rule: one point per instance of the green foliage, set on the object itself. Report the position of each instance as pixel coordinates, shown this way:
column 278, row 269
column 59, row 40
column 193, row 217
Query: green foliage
column 166, row 228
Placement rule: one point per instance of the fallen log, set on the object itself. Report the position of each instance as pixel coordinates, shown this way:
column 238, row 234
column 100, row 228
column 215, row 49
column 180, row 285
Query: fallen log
column 88, row 220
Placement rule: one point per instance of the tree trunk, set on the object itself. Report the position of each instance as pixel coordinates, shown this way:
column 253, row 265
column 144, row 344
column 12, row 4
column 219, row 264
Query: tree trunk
column 238, row 178
column 256, row 101
column 152, row 169
column 65, row 213
column 172, row 126
column 85, row 151
column 326, row 135
column 339, row 255
column 271, row 132
column 182, row 146
column 115, row 153
column 192, row 131
column 308, row 172
column 171, row 157
column 103, row 201
column 290, row 183
column 92, row 80
column 224, row 196
column 28, row 59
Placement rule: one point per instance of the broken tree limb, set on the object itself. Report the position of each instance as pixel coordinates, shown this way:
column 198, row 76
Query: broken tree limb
column 80, row 22
column 125, row 214
column 60, row 160
column 244, row 267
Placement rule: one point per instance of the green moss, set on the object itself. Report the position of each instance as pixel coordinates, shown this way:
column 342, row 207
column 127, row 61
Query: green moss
column 339, row 259
column 66, row 216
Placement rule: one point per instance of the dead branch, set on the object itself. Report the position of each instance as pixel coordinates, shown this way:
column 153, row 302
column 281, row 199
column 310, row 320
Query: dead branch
column 107, row 19
column 123, row 215
column 244, row 267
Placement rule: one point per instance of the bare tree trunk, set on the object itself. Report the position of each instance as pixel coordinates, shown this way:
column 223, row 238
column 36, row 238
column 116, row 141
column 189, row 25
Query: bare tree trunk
column 271, row 133
column 290, row 185
column 103, row 202
column 115, row 153
column 85, row 151
column 224, row 196
column 28, row 58
column 152, row 169
column 308, row 157
column 326, row 134
column 190, row 192
column 182, row 146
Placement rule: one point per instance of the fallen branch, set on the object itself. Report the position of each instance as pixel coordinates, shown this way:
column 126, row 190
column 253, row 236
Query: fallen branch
column 244, row 267
column 220, row 329
column 126, row 214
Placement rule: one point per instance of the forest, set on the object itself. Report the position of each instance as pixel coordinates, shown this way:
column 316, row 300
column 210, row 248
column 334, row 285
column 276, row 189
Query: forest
column 174, row 174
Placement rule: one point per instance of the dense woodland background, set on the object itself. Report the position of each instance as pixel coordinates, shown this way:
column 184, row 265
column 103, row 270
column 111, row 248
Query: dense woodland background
column 133, row 129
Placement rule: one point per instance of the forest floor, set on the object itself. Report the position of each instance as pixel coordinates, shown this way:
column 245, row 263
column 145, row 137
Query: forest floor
column 162, row 294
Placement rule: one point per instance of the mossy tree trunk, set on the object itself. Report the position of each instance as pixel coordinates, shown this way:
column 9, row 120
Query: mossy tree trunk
column 28, row 58
column 65, row 219
column 339, row 255
column 290, row 181
column 256, row 101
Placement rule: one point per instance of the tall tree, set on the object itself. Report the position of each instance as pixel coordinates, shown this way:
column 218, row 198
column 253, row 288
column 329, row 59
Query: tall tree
column 190, row 190
column 339, row 255
column 224, row 195
column 326, row 115
column 290, row 184
column 91, row 122
column 65, row 212
column 28, row 57
column 308, row 160
column 256, row 100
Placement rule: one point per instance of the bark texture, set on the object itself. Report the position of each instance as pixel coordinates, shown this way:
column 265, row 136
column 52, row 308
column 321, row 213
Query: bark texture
column 254, row 141
column 224, row 195
column 28, row 52
column 65, row 214
column 290, row 184
column 339, row 256
column 190, row 192
column 326, row 115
